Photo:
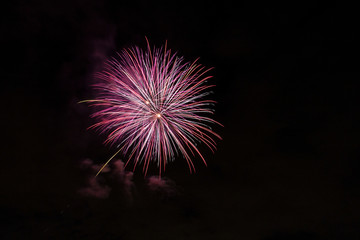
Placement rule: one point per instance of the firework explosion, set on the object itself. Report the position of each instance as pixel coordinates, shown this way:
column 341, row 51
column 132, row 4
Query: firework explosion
column 152, row 106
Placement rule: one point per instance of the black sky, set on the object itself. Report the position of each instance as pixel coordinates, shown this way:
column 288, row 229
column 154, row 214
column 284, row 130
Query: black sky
column 287, row 91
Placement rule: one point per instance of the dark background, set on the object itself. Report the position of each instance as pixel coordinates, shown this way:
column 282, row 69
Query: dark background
column 287, row 90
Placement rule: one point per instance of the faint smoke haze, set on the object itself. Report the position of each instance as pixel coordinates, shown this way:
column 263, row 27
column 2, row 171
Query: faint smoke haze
column 162, row 186
column 98, row 187
column 95, row 189
column 124, row 178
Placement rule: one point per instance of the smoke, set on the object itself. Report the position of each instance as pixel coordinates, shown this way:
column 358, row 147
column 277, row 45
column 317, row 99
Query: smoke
column 123, row 177
column 95, row 189
column 99, row 187
column 162, row 186
column 116, row 180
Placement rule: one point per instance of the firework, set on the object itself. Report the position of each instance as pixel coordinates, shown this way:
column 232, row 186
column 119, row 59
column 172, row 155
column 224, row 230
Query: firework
column 152, row 105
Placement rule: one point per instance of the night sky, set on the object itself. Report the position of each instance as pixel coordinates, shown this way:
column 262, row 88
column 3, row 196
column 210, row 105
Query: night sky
column 287, row 87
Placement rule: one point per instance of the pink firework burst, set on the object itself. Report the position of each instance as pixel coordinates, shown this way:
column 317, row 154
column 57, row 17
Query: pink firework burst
column 153, row 107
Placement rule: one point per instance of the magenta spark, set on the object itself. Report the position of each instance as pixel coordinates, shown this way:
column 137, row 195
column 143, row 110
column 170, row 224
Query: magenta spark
column 153, row 107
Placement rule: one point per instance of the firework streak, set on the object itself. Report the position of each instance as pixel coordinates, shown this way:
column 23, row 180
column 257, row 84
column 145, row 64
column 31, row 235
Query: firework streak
column 152, row 106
